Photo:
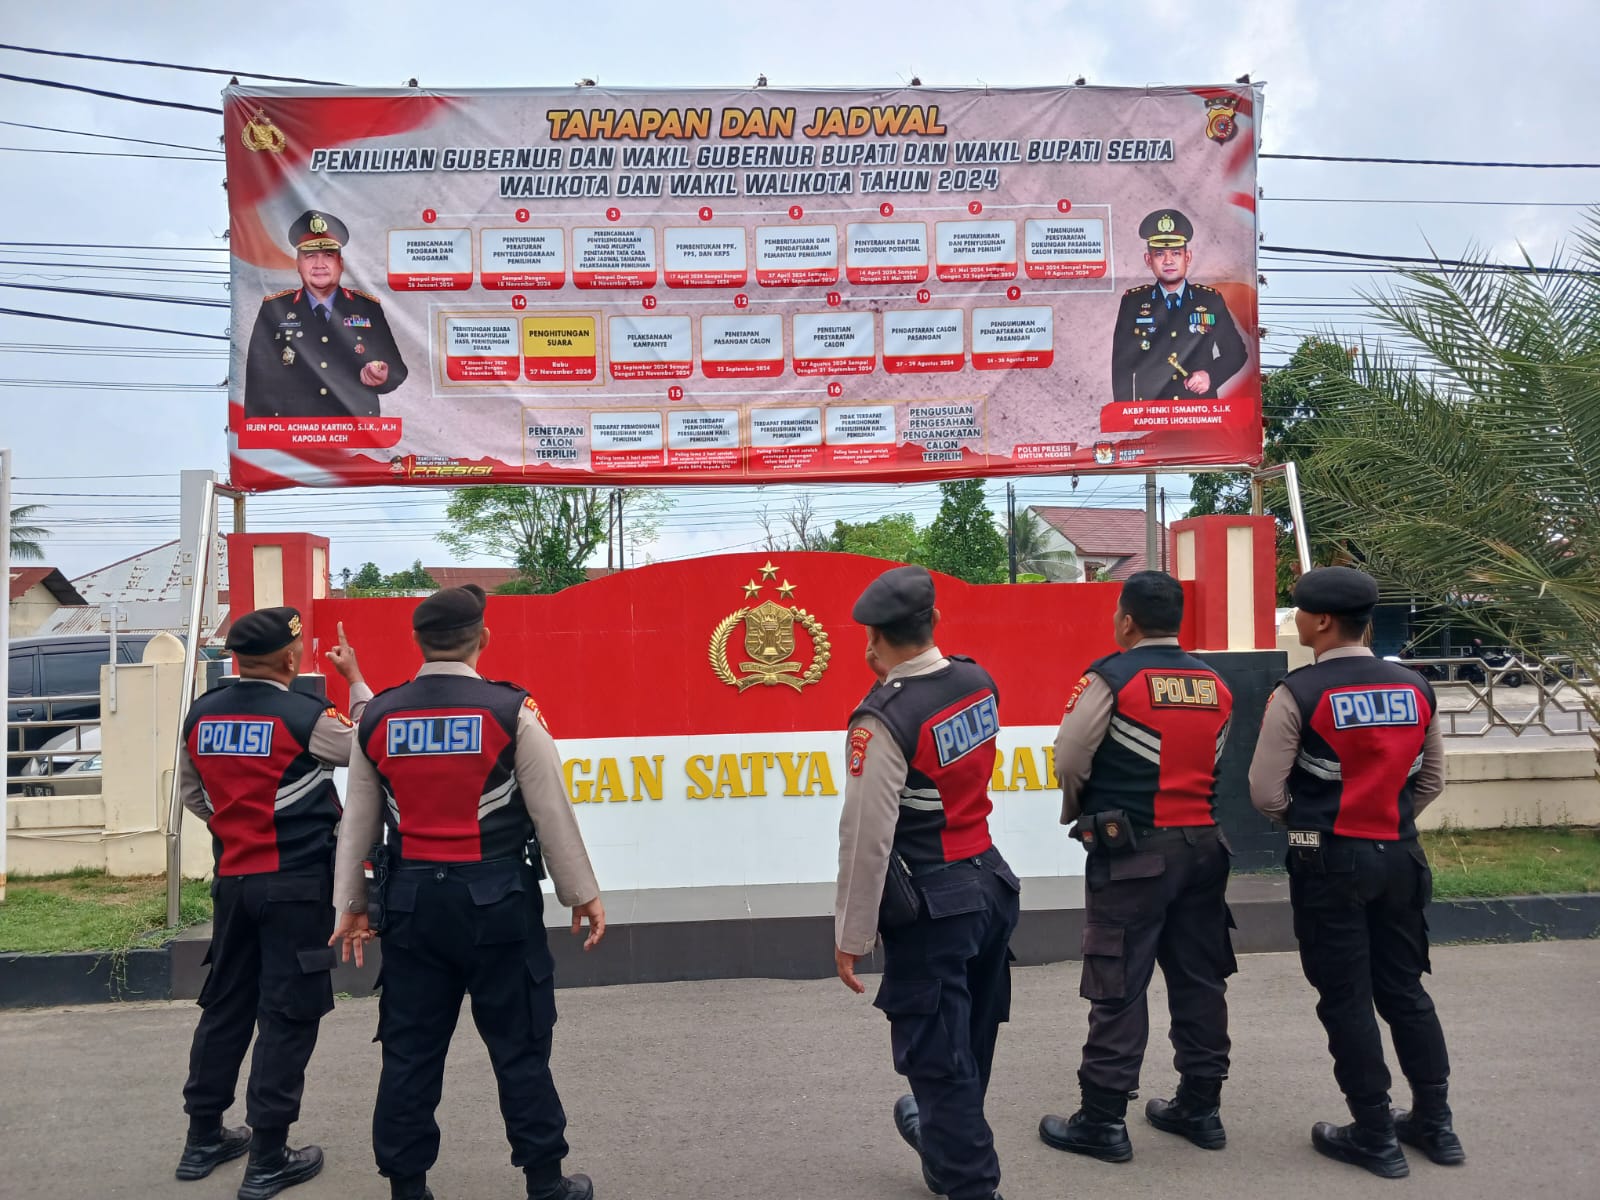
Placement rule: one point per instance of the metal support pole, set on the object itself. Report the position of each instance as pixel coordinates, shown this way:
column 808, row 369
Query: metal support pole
column 5, row 643
column 238, row 513
column 1165, row 538
column 1152, row 542
column 191, row 659
column 1011, row 526
column 1257, row 497
column 1302, row 542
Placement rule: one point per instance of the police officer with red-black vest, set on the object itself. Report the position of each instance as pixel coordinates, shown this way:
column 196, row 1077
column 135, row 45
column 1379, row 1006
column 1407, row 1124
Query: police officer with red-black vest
column 467, row 781
column 1350, row 752
column 917, row 865
column 1136, row 756
column 257, row 768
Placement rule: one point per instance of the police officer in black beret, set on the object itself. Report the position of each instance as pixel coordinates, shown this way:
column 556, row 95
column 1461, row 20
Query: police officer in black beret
column 320, row 350
column 918, row 867
column 1350, row 752
column 257, row 768
column 1174, row 340
column 469, row 783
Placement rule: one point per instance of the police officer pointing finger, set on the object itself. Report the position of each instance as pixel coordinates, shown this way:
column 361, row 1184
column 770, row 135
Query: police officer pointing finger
column 1350, row 752
column 467, row 781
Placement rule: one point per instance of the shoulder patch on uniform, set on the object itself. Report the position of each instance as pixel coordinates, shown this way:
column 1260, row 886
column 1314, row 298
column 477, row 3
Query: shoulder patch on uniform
column 532, row 706
column 279, row 295
column 1133, row 291
column 1200, row 287
column 858, row 749
column 1077, row 691
column 338, row 716
column 366, row 295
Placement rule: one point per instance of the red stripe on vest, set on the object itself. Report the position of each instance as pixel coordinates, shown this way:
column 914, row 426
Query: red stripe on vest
column 963, row 785
column 438, row 794
column 1371, row 760
column 1188, row 744
column 243, row 790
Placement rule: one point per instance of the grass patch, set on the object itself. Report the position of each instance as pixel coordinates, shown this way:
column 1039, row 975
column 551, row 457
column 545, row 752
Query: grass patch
column 90, row 910
column 1512, row 862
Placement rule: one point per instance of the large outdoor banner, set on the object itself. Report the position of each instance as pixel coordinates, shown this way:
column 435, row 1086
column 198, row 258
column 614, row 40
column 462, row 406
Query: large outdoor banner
column 721, row 286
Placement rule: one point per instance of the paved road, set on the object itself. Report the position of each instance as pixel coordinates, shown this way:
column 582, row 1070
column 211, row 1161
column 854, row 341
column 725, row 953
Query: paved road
column 768, row 1089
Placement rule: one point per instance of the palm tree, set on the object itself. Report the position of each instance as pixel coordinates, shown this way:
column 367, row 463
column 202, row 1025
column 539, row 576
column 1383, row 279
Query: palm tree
column 1034, row 555
column 25, row 538
column 1460, row 460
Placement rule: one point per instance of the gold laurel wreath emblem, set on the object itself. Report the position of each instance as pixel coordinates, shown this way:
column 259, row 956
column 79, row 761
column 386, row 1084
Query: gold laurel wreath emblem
column 260, row 133
column 821, row 652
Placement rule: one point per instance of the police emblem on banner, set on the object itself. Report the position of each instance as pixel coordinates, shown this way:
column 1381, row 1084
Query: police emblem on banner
column 259, row 133
column 770, row 644
column 1221, row 122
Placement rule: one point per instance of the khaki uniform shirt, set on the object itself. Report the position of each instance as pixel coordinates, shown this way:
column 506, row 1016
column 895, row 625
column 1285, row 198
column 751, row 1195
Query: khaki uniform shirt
column 544, row 792
column 331, row 739
column 1280, row 742
column 866, row 826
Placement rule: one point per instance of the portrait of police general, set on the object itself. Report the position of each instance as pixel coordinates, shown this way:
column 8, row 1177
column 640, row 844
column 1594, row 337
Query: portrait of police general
column 320, row 349
column 1174, row 339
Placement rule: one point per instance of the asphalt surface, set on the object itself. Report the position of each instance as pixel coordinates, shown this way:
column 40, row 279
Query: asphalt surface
column 765, row 1088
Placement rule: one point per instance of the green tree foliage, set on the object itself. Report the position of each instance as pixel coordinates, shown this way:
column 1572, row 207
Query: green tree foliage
column 370, row 581
column 367, row 578
column 1461, row 460
column 895, row 537
column 1035, row 558
column 27, row 540
column 963, row 540
column 412, row 579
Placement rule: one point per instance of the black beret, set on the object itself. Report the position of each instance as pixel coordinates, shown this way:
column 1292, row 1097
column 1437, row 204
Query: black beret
column 449, row 608
column 318, row 231
column 1343, row 591
column 1166, row 227
column 895, row 595
column 263, row 631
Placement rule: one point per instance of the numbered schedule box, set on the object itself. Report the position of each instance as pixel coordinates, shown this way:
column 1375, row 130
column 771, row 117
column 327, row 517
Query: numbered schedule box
column 430, row 260
column 705, row 256
column 1013, row 338
column 557, row 349
column 741, row 347
column 886, row 252
column 523, row 259
column 835, row 343
column 797, row 255
column 975, row 251
column 1065, row 248
column 650, row 347
column 624, row 441
column 919, row 341
column 703, row 439
column 860, row 434
column 613, row 256
column 480, row 348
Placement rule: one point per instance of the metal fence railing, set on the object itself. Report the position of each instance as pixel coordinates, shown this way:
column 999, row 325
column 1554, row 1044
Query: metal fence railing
column 38, row 748
column 1508, row 696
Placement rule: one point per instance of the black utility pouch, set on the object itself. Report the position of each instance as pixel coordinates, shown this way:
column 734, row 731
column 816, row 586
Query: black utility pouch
column 1113, row 832
column 902, row 902
column 378, row 888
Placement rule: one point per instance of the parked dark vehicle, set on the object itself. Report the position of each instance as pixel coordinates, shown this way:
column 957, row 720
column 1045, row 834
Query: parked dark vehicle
column 46, row 667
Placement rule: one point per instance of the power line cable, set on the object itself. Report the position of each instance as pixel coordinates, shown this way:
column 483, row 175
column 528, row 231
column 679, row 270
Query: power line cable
column 165, row 66
column 1379, row 200
column 108, row 154
column 39, row 316
column 1436, row 262
column 112, row 137
column 1434, row 162
column 102, row 294
column 78, row 87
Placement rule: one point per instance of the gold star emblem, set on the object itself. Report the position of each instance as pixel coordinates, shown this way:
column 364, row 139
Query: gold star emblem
column 786, row 590
column 769, row 571
column 751, row 588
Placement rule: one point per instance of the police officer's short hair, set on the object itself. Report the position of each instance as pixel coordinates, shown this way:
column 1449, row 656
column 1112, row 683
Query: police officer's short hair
column 458, row 641
column 1154, row 600
column 915, row 630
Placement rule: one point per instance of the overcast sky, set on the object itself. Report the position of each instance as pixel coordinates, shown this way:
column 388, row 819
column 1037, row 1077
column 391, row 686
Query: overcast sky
column 1458, row 79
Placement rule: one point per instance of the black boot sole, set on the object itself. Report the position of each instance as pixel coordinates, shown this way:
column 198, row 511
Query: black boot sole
column 1206, row 1139
column 1110, row 1154
column 1454, row 1156
column 1380, row 1168
column 265, row 1191
column 192, row 1171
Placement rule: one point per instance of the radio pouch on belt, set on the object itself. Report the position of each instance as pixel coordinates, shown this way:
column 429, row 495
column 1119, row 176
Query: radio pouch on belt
column 378, row 887
column 901, row 902
column 1108, row 832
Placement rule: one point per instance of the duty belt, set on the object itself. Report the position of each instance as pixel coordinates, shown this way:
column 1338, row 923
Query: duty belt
column 988, row 860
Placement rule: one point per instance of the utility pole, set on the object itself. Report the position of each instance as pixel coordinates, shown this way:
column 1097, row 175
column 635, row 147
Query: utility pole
column 622, row 552
column 1011, row 526
column 1151, row 541
column 1165, row 535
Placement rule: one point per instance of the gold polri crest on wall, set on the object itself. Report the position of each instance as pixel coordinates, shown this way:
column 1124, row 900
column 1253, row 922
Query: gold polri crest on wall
column 770, row 643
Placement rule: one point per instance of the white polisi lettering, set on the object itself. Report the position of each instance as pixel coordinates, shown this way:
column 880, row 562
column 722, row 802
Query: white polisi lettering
column 1374, row 706
column 434, row 735
column 250, row 739
column 961, row 733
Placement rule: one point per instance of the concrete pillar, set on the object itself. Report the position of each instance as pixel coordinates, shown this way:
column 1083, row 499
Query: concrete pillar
column 267, row 570
column 1233, row 563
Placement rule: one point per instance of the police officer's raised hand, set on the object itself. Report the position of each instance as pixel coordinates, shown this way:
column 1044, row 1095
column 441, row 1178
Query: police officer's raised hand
column 595, row 912
column 845, row 964
column 343, row 658
column 375, row 374
column 350, row 935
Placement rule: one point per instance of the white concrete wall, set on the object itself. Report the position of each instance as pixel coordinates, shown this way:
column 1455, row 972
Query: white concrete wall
column 1548, row 781
column 32, row 609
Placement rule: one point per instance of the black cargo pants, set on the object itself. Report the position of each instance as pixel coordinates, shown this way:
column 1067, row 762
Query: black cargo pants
column 270, row 975
column 475, row 929
column 1164, row 903
column 1358, row 916
column 946, row 990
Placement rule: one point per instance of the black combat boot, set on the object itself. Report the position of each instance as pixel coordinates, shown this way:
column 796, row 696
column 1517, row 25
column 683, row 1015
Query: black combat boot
column 563, row 1187
column 907, row 1121
column 1098, row 1129
column 1192, row 1113
column 410, row 1187
column 208, row 1146
column 1427, row 1125
column 1369, row 1142
column 274, row 1166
